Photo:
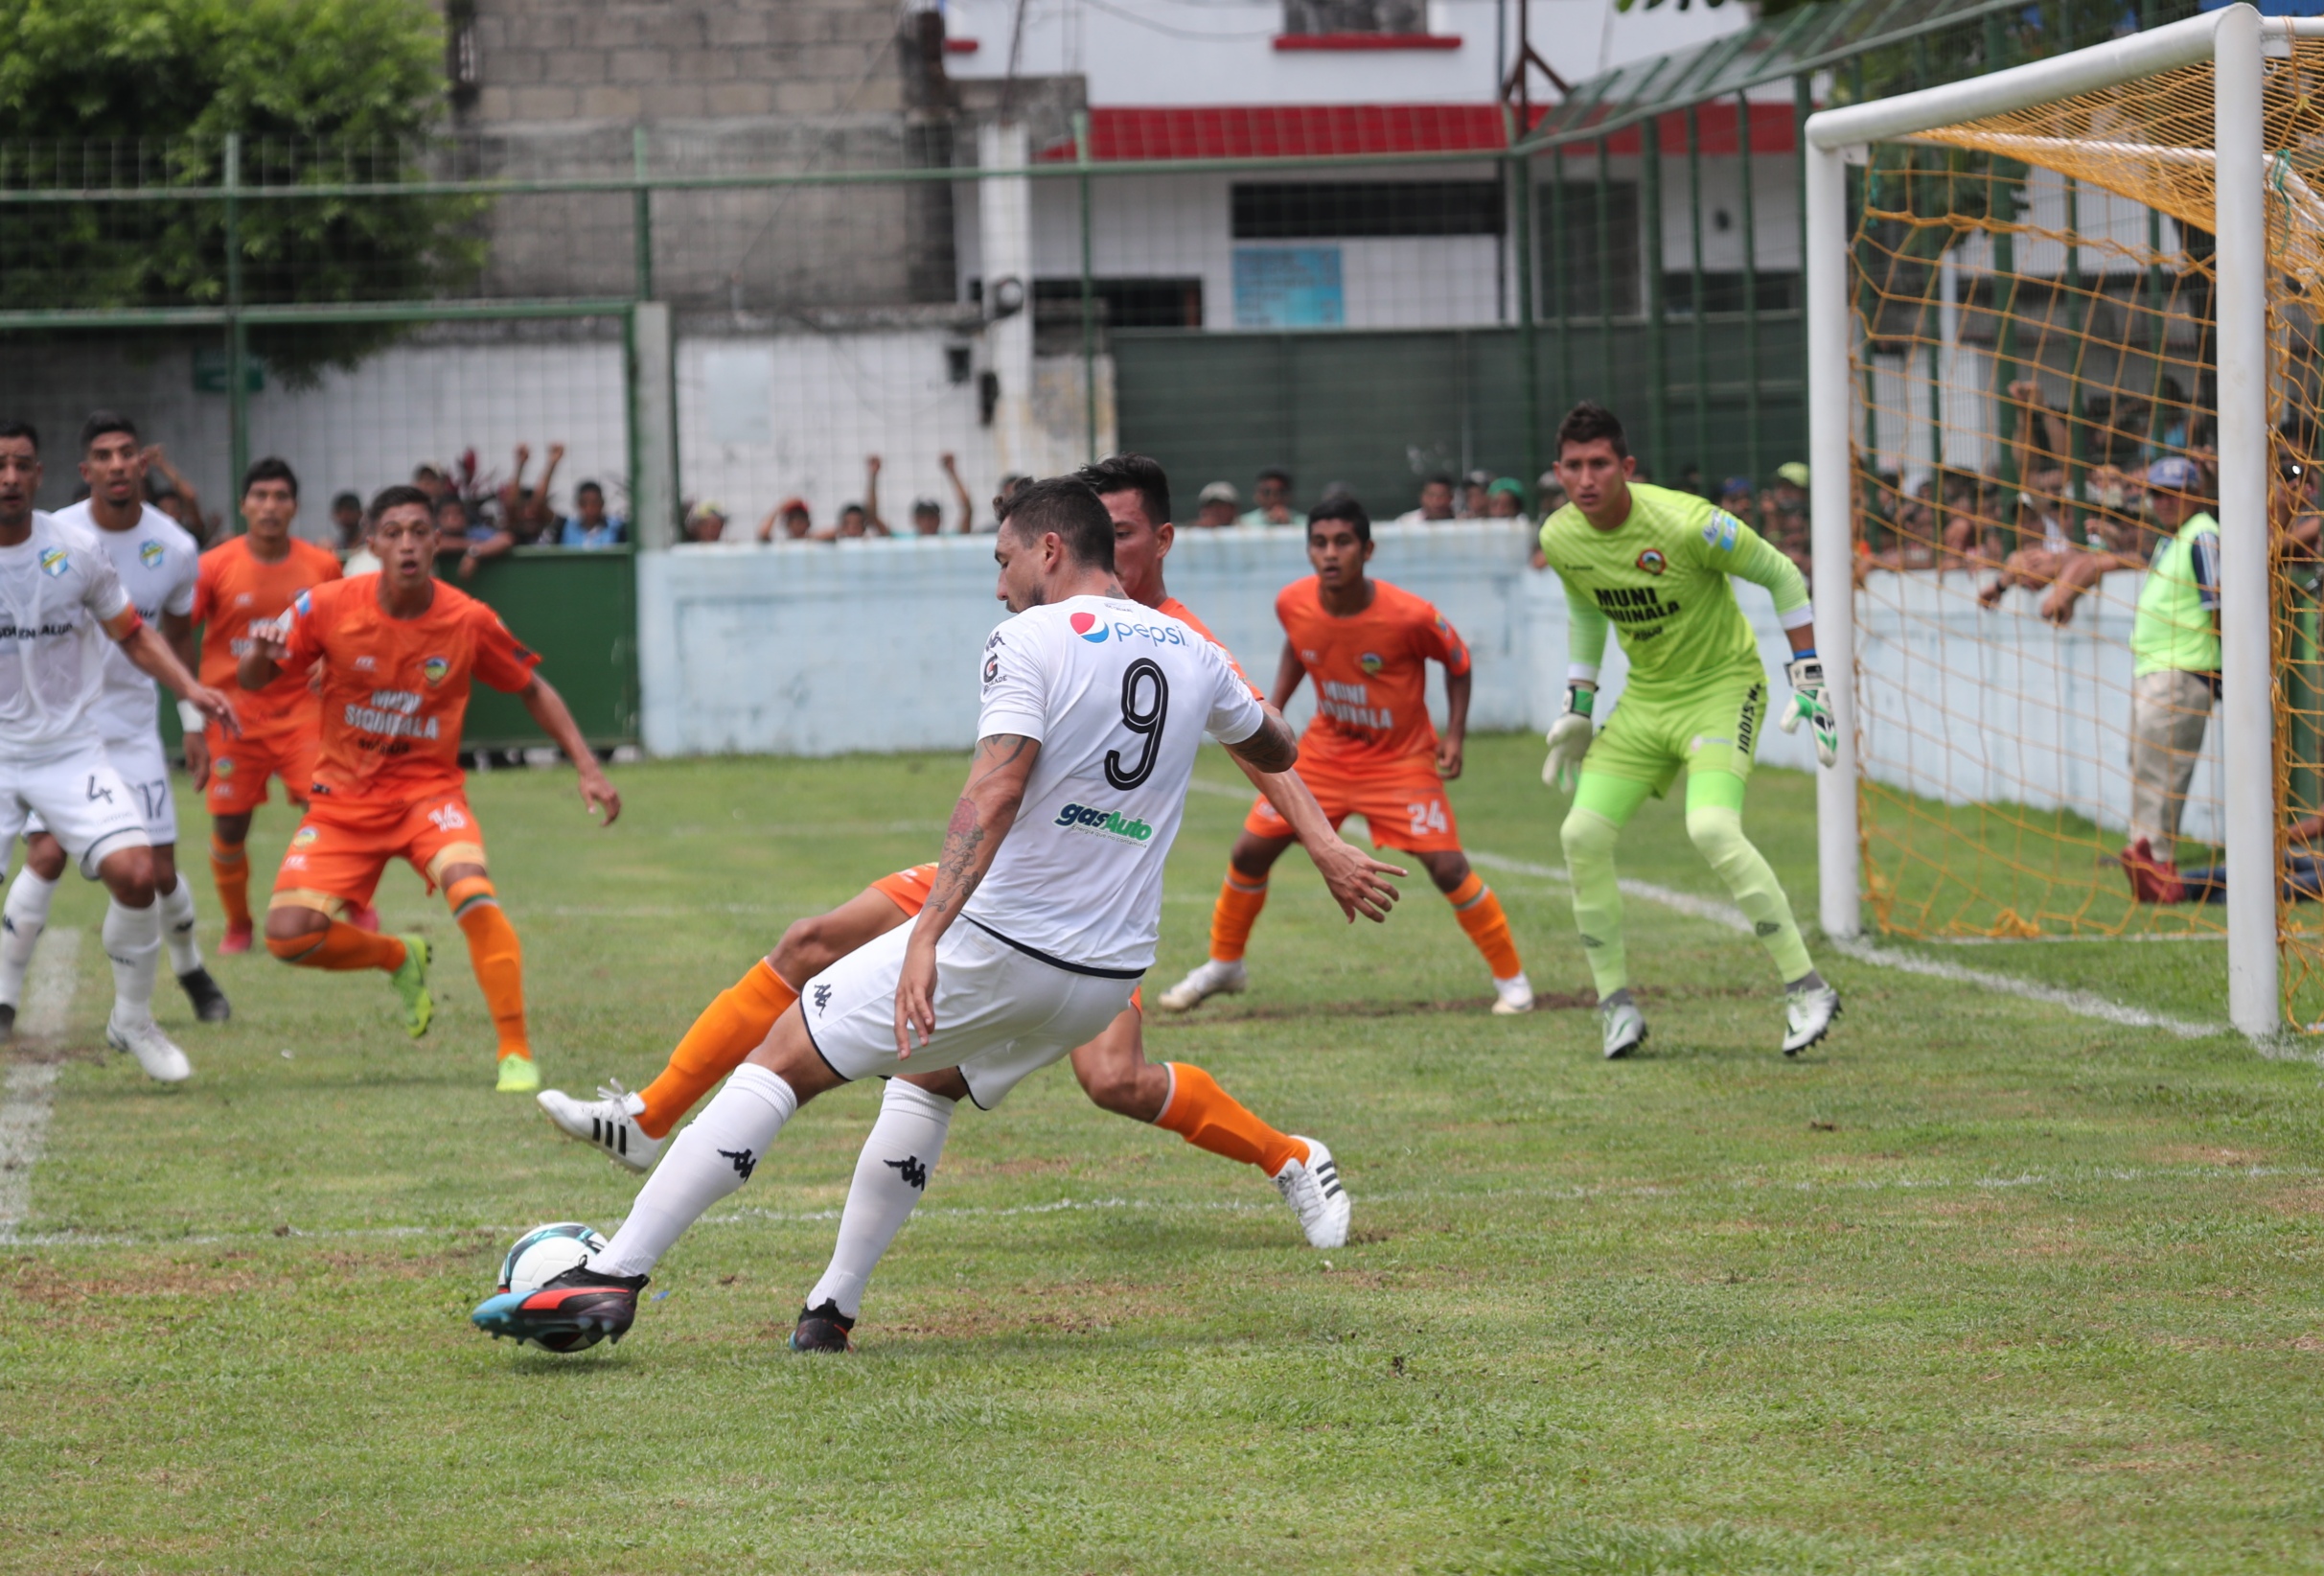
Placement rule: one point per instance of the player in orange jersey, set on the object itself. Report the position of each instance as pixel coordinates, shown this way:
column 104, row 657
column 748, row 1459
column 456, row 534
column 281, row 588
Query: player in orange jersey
column 246, row 581
column 1113, row 1069
column 1371, row 750
column 397, row 651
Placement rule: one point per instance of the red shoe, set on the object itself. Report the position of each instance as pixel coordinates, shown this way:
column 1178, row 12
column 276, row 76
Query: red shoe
column 236, row 939
column 364, row 919
column 2167, row 888
column 2152, row 880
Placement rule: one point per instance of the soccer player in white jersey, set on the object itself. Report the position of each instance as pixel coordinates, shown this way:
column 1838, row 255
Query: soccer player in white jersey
column 62, row 607
column 156, row 560
column 1046, row 907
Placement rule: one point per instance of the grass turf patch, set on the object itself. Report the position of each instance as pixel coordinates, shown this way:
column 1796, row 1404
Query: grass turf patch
column 1979, row 1286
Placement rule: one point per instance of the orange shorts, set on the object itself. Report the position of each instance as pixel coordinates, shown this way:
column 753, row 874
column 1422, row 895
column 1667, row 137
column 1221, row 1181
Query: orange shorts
column 239, row 769
column 341, row 847
column 1402, row 801
column 909, row 891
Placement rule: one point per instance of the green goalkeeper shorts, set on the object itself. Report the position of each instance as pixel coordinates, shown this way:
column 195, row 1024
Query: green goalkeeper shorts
column 1716, row 729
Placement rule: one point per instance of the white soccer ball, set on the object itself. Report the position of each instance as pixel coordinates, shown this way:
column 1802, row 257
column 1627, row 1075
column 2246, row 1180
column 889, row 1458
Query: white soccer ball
column 545, row 1252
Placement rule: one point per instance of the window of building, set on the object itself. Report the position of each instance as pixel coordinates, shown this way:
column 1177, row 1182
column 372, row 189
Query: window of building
column 1725, row 292
column 1333, row 210
column 1590, row 249
column 1327, row 16
column 1123, row 303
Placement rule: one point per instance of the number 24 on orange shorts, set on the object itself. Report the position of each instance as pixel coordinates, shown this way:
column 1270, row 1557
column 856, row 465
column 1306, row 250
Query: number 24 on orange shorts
column 340, row 849
column 1404, row 807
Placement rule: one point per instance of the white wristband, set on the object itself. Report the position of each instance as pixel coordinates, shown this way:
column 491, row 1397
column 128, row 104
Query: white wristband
column 191, row 718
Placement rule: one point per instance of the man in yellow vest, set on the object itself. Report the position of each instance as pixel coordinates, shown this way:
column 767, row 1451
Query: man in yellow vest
column 2175, row 653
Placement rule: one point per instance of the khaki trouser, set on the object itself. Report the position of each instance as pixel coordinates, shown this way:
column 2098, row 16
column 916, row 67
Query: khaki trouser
column 2168, row 712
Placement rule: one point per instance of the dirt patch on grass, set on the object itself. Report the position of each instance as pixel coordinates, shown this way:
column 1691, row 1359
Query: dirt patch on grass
column 2201, row 1154
column 47, row 1286
column 2301, row 1203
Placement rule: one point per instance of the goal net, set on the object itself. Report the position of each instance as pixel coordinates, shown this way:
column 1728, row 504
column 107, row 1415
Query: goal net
column 2035, row 467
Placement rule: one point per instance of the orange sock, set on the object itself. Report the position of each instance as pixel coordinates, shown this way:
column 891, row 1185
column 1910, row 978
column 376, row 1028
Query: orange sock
column 230, row 871
column 1237, row 911
column 1209, row 1118
column 496, row 956
column 1480, row 913
column 341, row 947
column 729, row 1028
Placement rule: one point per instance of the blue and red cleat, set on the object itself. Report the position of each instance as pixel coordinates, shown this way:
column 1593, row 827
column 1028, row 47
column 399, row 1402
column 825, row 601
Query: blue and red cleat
column 573, row 1312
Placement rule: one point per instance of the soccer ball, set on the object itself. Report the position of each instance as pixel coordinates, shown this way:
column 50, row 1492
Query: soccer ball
column 545, row 1252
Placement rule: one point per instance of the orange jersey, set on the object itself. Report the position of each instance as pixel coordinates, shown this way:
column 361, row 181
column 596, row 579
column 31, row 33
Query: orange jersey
column 1370, row 670
column 394, row 690
column 233, row 589
column 1184, row 615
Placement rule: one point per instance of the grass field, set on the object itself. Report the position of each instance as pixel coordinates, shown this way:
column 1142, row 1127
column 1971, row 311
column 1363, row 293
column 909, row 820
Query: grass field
column 1979, row 1286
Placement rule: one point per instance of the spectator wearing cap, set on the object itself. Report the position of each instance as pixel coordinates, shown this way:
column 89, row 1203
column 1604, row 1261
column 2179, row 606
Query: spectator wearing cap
column 2175, row 656
column 1271, row 500
column 590, row 526
column 707, row 522
column 1739, row 499
column 1221, row 506
column 347, row 524
column 787, row 521
column 1435, row 503
column 1505, row 499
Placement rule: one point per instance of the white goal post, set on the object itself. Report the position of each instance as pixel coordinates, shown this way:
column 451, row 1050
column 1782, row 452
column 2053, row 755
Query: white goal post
column 2235, row 40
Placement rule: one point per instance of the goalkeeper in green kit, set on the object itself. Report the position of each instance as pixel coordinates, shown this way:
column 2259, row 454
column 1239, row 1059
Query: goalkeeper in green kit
column 1654, row 564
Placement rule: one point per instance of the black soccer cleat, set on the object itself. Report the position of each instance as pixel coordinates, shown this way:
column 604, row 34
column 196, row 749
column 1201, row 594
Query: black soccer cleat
column 210, row 1003
column 8, row 1021
column 823, row 1329
column 574, row 1311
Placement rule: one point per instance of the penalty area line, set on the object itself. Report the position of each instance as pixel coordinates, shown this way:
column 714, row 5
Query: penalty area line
column 31, row 1087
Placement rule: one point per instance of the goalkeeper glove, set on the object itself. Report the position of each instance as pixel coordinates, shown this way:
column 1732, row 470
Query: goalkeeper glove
column 1570, row 739
column 1809, row 704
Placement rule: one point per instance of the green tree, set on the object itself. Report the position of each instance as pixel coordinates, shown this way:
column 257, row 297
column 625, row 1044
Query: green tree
column 142, row 93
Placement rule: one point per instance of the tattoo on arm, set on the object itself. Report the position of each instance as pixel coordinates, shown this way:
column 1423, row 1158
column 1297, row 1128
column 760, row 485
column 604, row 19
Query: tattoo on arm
column 972, row 836
column 1274, row 747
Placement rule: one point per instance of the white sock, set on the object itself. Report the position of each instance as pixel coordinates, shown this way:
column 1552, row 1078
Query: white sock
column 22, row 919
column 176, row 907
column 132, row 940
column 710, row 1160
column 899, row 1155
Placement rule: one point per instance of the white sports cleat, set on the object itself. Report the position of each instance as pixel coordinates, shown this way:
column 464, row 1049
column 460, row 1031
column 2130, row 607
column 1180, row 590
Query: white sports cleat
column 1625, row 1028
column 163, row 1061
column 1512, row 996
column 610, row 1121
column 1807, row 1016
column 1312, row 1188
column 1213, row 978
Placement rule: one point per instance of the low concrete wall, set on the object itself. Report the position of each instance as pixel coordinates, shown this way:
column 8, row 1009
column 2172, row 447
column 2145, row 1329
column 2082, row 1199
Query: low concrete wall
column 818, row 650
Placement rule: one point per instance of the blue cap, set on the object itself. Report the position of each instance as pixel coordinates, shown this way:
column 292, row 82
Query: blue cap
column 2175, row 473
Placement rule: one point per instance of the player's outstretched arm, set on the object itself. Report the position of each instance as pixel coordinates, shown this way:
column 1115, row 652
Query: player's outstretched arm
column 547, row 708
column 1355, row 878
column 986, row 810
column 1274, row 747
column 1449, row 747
column 141, row 644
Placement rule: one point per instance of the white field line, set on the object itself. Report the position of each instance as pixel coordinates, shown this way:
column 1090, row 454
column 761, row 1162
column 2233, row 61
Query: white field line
column 31, row 1085
column 1168, row 1208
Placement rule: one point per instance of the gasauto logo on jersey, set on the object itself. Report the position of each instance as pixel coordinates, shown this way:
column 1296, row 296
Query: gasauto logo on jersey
column 1107, row 823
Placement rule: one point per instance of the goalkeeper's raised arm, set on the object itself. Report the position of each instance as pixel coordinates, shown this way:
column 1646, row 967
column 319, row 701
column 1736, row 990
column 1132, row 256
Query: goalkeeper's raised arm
column 1654, row 565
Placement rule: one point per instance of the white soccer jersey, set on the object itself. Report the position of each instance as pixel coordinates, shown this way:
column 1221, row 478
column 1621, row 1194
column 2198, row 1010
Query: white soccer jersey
column 57, row 588
column 1119, row 697
column 157, row 561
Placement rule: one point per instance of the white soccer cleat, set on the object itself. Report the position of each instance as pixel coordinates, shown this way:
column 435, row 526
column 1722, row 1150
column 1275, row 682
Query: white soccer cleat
column 1311, row 1187
column 161, row 1058
column 1212, row 979
column 1807, row 1016
column 1625, row 1028
column 1512, row 996
column 610, row 1121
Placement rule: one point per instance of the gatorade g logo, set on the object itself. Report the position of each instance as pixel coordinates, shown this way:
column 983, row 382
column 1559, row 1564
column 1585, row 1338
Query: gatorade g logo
column 1107, row 823
column 1651, row 560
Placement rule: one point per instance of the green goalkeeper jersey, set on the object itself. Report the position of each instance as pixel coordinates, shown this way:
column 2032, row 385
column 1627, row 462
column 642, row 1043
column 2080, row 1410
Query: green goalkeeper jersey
column 1660, row 578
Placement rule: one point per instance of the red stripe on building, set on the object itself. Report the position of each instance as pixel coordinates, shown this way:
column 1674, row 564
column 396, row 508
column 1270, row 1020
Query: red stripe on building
column 1127, row 135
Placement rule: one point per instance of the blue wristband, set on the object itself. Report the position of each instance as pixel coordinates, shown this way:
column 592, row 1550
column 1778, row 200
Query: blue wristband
column 1797, row 655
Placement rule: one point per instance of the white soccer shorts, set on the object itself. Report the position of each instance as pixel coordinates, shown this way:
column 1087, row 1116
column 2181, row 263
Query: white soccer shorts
column 146, row 770
column 1001, row 1013
column 81, row 800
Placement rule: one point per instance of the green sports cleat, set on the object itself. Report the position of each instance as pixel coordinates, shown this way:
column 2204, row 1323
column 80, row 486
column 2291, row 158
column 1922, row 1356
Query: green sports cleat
column 412, row 984
column 518, row 1075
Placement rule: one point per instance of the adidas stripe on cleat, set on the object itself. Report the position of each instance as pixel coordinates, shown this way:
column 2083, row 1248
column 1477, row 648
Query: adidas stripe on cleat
column 609, row 1123
column 570, row 1313
column 1312, row 1188
column 823, row 1329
